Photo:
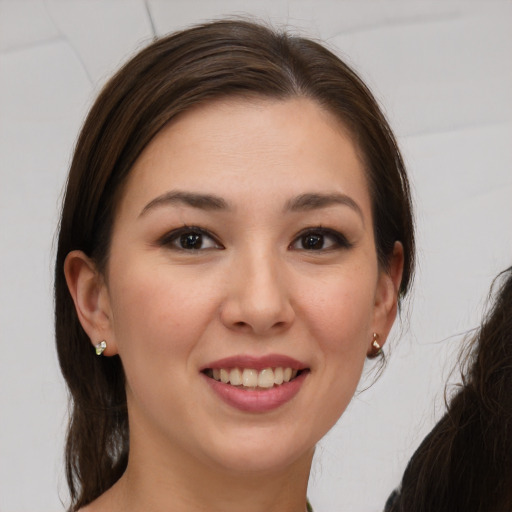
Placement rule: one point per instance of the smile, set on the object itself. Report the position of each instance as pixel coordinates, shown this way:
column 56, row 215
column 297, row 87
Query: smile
column 251, row 379
column 256, row 384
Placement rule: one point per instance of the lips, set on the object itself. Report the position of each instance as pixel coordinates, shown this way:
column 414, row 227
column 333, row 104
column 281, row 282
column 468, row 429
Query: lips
column 256, row 384
column 257, row 362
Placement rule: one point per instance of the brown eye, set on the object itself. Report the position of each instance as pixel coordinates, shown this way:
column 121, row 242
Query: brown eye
column 312, row 242
column 320, row 239
column 190, row 239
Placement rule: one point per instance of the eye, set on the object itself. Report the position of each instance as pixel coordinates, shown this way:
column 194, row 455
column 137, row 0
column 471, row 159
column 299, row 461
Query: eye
column 320, row 239
column 190, row 239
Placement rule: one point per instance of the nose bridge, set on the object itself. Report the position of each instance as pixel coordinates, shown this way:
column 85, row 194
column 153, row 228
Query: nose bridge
column 258, row 298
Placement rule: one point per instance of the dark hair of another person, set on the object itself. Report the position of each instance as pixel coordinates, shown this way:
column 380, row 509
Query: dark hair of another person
column 465, row 463
column 171, row 76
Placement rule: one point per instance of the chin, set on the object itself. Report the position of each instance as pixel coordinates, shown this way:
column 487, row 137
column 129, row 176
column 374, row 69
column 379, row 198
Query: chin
column 271, row 452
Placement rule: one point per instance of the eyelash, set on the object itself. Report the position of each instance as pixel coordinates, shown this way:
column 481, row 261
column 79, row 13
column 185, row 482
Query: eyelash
column 339, row 240
column 177, row 236
column 174, row 237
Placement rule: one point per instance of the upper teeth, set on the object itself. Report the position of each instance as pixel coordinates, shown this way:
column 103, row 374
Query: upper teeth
column 250, row 378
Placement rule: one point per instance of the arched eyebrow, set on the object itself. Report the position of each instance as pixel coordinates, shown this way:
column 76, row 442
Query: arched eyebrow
column 303, row 202
column 317, row 201
column 195, row 200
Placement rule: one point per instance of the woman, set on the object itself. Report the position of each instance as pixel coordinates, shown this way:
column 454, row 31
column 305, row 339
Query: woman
column 235, row 236
column 465, row 463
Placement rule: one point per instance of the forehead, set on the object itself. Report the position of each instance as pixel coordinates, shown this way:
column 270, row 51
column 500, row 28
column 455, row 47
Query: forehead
column 249, row 148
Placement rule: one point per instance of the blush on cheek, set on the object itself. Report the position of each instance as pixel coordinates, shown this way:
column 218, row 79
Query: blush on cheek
column 341, row 320
column 160, row 315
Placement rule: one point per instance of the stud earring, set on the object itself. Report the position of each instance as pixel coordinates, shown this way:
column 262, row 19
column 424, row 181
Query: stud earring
column 376, row 348
column 100, row 347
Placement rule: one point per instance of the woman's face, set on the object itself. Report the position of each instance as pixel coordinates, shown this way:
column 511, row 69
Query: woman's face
column 243, row 248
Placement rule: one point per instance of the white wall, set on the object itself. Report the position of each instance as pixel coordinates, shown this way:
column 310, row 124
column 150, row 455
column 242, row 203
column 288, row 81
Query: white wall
column 442, row 71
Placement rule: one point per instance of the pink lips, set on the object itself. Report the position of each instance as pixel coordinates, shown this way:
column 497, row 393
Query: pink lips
column 257, row 363
column 259, row 400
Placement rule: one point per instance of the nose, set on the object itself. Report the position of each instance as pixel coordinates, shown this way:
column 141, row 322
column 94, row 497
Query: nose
column 257, row 299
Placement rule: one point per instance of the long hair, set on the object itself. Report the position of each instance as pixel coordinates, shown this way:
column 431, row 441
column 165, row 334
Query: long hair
column 169, row 77
column 465, row 463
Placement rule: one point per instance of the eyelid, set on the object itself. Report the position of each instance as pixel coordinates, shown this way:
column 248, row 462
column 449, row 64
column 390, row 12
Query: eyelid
column 340, row 240
column 172, row 236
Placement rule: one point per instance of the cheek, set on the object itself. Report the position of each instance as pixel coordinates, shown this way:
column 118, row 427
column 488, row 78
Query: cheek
column 159, row 319
column 339, row 316
column 340, row 320
column 340, row 313
column 158, row 312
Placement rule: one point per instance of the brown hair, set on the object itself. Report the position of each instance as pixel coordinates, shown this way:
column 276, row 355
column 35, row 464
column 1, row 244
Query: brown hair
column 465, row 462
column 172, row 75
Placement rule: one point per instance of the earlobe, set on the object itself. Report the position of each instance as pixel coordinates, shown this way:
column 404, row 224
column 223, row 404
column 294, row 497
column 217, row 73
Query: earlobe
column 386, row 297
column 90, row 296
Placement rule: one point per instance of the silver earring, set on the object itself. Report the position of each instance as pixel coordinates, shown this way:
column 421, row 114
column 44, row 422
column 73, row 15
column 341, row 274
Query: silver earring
column 100, row 347
column 376, row 348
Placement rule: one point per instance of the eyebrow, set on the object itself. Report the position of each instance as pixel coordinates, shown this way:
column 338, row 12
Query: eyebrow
column 195, row 200
column 303, row 202
column 306, row 202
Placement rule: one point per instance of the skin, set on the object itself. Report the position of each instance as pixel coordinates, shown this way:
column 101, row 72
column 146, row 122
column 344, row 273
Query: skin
column 253, row 287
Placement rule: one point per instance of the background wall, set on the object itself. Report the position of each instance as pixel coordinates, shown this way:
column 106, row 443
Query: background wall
column 442, row 72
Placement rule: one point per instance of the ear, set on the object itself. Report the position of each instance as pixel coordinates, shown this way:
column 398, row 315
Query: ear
column 386, row 296
column 90, row 295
